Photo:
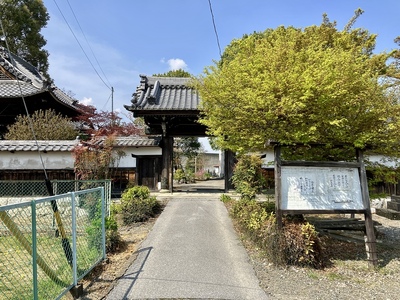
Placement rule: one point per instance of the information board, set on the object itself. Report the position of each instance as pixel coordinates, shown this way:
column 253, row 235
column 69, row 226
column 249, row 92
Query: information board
column 320, row 188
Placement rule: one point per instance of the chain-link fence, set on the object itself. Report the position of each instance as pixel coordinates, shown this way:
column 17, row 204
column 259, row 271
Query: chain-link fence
column 15, row 191
column 47, row 245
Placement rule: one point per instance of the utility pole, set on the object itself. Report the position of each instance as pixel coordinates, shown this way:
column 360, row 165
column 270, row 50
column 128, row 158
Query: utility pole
column 112, row 106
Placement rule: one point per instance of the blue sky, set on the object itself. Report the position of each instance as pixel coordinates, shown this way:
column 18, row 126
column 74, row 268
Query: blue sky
column 131, row 37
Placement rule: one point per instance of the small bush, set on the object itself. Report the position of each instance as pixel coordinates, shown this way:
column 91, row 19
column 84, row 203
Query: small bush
column 113, row 238
column 297, row 243
column 179, row 176
column 137, row 205
column 189, row 175
column 225, row 198
column 301, row 245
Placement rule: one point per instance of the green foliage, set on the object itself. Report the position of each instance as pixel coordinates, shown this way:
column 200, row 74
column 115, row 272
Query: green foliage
column 23, row 22
column 189, row 175
column 113, row 239
column 48, row 125
column 248, row 178
column 189, row 147
column 174, row 73
column 381, row 173
column 311, row 85
column 301, row 245
column 179, row 175
column 225, row 198
column 296, row 244
column 137, row 205
column 381, row 176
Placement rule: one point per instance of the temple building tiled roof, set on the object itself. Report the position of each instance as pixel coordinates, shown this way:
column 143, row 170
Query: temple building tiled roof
column 20, row 80
column 68, row 145
column 42, row 146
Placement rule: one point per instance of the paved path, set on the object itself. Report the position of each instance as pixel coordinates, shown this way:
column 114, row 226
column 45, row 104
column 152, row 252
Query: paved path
column 192, row 252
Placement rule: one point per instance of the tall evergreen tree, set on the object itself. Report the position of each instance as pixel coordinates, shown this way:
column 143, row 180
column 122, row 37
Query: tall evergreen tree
column 22, row 22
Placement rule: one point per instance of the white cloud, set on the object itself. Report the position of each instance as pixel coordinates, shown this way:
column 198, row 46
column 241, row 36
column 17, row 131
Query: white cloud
column 176, row 64
column 86, row 101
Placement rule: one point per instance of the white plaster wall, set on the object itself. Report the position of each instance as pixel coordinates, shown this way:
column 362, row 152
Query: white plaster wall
column 130, row 162
column 382, row 160
column 25, row 160
column 268, row 161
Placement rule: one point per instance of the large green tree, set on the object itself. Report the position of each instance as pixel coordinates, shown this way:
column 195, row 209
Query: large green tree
column 312, row 85
column 22, row 22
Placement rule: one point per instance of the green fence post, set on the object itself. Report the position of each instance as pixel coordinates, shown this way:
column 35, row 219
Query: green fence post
column 34, row 252
column 74, row 261
column 103, row 221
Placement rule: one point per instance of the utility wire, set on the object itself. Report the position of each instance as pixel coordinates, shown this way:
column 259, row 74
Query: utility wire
column 109, row 97
column 80, row 45
column 91, row 50
column 215, row 28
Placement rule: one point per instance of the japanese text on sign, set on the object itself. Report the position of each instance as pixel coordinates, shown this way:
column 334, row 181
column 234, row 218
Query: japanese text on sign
column 308, row 188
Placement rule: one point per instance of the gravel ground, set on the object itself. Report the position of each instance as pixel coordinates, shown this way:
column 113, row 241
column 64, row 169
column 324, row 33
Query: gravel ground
column 347, row 277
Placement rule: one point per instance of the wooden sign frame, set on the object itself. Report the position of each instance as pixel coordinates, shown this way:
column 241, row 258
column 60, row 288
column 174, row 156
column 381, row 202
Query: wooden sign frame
column 310, row 189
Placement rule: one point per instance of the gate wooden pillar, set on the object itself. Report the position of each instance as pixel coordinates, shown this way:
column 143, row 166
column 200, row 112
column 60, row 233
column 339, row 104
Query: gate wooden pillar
column 229, row 164
column 167, row 154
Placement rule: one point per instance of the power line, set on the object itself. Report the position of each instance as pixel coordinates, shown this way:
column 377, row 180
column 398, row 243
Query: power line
column 215, row 28
column 87, row 42
column 109, row 97
column 87, row 57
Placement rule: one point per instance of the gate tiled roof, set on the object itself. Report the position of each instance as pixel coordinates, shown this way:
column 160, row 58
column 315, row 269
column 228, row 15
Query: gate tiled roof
column 164, row 94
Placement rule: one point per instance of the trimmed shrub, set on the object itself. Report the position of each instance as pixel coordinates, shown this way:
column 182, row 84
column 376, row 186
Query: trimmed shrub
column 137, row 205
column 297, row 243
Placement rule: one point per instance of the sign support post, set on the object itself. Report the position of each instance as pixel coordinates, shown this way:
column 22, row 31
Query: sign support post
column 370, row 240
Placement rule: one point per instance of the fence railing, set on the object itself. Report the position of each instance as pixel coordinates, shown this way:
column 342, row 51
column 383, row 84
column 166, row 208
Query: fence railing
column 15, row 191
column 47, row 245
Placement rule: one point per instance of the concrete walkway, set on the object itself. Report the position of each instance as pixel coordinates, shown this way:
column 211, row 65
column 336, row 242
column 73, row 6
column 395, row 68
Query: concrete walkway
column 192, row 252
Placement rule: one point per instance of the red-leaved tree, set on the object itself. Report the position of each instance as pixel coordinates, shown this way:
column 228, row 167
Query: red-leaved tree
column 105, row 123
